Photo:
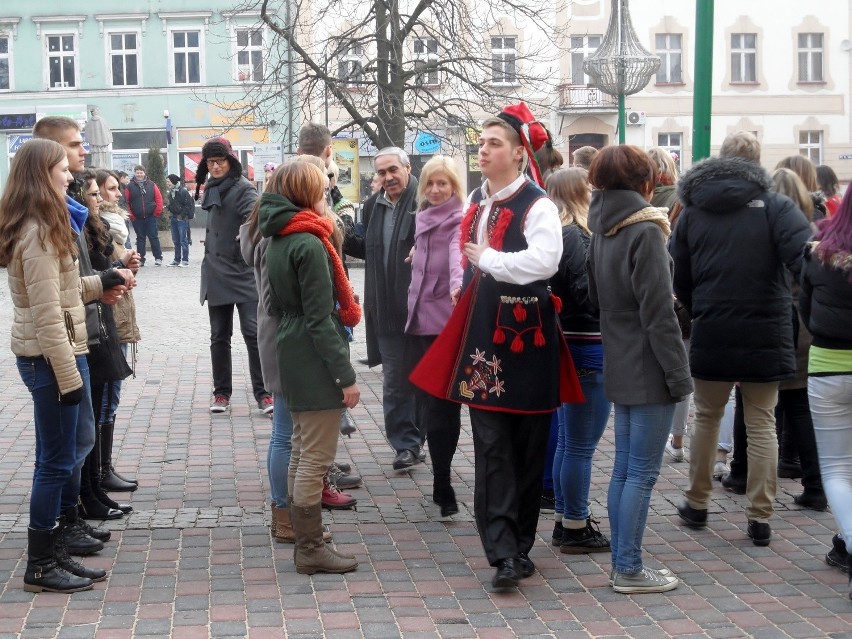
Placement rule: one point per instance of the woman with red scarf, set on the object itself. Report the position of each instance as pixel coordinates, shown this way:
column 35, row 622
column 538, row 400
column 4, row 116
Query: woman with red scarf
column 307, row 281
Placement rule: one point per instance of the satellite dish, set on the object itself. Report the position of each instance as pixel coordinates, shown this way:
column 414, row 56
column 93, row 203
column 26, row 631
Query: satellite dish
column 846, row 45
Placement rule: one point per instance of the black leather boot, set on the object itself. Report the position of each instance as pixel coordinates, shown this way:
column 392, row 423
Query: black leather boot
column 43, row 572
column 60, row 552
column 76, row 540
column 110, row 480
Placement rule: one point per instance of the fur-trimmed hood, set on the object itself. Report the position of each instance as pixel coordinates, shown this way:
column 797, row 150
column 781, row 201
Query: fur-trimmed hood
column 723, row 183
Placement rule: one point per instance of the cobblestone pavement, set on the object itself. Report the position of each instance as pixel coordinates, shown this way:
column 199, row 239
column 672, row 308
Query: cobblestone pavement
column 195, row 558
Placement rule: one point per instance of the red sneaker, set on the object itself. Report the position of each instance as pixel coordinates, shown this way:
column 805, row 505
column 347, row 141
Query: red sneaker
column 333, row 499
column 220, row 404
column 266, row 405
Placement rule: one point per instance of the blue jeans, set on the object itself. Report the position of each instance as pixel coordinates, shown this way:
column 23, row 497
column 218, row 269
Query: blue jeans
column 64, row 436
column 147, row 228
column 640, row 439
column 280, row 448
column 581, row 427
column 180, row 238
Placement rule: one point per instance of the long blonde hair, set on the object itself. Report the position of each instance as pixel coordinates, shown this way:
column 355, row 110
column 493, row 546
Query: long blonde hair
column 438, row 164
column 569, row 190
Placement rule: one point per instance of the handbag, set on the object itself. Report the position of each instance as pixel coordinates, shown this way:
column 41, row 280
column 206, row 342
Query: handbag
column 96, row 332
column 106, row 361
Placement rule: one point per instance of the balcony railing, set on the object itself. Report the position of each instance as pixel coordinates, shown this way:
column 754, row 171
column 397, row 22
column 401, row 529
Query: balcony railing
column 583, row 97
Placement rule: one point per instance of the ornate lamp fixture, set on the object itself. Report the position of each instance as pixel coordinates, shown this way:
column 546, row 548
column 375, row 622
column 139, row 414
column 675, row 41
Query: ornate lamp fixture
column 621, row 66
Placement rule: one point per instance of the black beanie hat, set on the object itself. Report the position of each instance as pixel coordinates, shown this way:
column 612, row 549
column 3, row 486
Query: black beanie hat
column 216, row 148
column 174, row 179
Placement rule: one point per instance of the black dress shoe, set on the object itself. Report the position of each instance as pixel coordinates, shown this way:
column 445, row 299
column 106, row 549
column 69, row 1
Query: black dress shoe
column 736, row 485
column 526, row 565
column 812, row 499
column 692, row 517
column 760, row 533
column 508, row 575
column 404, row 459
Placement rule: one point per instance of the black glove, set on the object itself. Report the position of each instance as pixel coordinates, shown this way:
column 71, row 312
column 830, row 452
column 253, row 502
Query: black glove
column 336, row 195
column 71, row 398
column 110, row 278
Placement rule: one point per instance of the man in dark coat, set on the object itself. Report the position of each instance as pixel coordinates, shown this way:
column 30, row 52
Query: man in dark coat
column 730, row 246
column 388, row 219
column 226, row 280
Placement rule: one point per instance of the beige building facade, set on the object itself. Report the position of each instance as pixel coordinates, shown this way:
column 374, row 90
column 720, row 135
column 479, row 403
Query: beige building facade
column 781, row 69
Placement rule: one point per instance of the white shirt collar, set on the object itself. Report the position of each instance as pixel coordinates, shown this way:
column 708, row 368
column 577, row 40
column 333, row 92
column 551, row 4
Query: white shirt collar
column 506, row 191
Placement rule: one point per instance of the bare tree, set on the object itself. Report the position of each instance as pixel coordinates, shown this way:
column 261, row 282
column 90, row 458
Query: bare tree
column 396, row 65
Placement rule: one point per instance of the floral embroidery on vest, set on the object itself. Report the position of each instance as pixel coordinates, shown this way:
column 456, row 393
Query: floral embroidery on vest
column 482, row 377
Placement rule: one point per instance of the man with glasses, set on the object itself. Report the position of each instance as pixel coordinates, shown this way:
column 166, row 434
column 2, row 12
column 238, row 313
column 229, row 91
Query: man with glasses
column 145, row 205
column 226, row 280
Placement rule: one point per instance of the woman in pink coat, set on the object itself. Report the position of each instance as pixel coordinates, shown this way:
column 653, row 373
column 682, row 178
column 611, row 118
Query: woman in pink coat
column 435, row 272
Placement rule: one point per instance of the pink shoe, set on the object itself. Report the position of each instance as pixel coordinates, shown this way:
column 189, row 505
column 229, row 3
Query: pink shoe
column 333, row 499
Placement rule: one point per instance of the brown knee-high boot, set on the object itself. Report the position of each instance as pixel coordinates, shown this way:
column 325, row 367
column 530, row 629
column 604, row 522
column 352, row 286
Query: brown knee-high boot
column 311, row 554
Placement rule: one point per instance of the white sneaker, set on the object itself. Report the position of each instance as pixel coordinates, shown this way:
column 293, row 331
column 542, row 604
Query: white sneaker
column 646, row 580
column 676, row 454
column 158, row 261
column 184, row 264
column 720, row 469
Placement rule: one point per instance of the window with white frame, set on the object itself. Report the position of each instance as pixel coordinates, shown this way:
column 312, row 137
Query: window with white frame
column 426, row 54
column 186, row 56
column 673, row 143
column 5, row 63
column 504, row 57
column 350, row 66
column 744, row 57
column 61, row 61
column 250, row 55
column 810, row 145
column 581, row 48
column 810, row 57
column 670, row 51
column 124, row 59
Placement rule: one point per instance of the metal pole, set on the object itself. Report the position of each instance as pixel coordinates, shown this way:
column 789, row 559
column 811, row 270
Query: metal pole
column 622, row 120
column 702, row 104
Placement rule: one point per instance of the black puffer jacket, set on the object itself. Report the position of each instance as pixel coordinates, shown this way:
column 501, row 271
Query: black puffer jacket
column 730, row 248
column 825, row 300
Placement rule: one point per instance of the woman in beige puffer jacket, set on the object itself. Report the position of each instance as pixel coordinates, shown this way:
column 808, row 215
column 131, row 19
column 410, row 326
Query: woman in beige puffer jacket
column 37, row 246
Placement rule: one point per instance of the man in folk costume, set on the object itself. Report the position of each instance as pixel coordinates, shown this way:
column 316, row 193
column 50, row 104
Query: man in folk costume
column 502, row 352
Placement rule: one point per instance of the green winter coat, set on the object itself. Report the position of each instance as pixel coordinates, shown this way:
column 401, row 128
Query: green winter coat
column 313, row 351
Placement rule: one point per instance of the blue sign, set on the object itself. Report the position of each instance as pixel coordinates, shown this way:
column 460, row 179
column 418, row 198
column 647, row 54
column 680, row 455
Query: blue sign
column 426, row 143
column 17, row 121
column 16, row 141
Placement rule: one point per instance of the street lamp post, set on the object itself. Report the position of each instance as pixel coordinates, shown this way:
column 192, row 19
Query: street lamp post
column 621, row 66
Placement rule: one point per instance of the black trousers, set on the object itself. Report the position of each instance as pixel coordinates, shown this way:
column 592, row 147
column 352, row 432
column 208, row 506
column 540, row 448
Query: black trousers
column 795, row 434
column 509, row 453
column 440, row 419
column 221, row 330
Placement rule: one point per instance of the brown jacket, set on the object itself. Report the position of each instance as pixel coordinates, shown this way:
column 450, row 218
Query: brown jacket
column 48, row 294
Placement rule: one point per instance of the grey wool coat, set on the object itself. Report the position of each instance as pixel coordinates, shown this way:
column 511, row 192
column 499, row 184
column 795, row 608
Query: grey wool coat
column 225, row 277
column 630, row 280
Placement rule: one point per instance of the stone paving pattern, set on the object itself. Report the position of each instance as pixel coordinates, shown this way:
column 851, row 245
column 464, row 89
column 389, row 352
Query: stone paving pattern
column 195, row 558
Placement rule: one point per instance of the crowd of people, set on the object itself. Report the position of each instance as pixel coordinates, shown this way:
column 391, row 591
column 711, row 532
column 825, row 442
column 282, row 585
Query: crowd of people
column 546, row 300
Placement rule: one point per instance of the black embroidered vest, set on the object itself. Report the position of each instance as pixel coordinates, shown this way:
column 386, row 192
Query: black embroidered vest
column 509, row 355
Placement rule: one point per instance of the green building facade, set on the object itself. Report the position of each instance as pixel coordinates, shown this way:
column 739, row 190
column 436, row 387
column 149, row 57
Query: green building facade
column 165, row 73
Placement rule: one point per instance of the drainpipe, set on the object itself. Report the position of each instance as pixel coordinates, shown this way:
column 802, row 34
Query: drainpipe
column 702, row 100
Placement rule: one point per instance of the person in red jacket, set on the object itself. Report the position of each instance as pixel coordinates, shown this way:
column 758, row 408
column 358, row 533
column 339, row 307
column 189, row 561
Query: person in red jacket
column 145, row 205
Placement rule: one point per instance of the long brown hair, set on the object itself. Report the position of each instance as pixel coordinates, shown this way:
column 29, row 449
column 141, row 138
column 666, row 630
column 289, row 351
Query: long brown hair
column 30, row 195
column 804, row 168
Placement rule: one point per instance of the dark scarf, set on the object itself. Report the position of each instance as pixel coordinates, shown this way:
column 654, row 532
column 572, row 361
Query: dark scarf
column 215, row 190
